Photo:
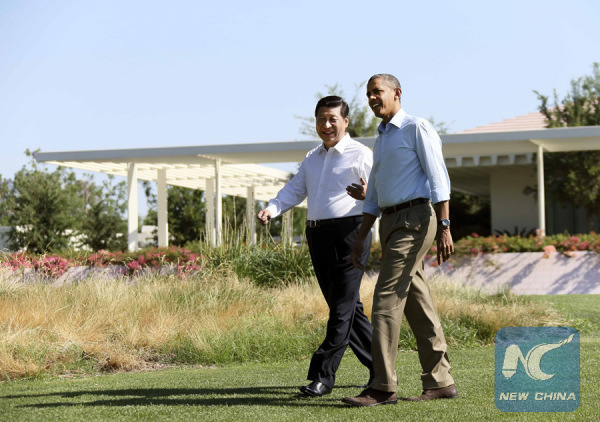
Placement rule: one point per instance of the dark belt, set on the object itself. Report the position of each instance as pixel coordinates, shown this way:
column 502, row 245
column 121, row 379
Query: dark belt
column 331, row 221
column 407, row 204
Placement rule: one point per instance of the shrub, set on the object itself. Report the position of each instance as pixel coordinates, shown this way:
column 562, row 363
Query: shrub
column 474, row 245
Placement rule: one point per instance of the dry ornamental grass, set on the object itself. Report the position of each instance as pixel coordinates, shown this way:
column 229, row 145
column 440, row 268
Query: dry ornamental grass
column 211, row 318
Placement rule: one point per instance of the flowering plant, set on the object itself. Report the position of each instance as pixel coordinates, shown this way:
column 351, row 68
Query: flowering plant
column 183, row 260
column 564, row 243
column 474, row 245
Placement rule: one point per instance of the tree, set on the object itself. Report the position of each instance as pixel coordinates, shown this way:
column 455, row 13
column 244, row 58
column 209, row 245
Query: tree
column 50, row 211
column 187, row 216
column 4, row 190
column 362, row 121
column 43, row 208
column 574, row 177
column 104, row 226
column 185, row 213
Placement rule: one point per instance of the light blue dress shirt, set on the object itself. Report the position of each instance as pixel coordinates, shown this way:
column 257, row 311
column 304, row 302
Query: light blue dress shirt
column 407, row 164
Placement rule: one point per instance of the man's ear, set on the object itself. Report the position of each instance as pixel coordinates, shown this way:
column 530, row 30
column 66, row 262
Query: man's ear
column 397, row 93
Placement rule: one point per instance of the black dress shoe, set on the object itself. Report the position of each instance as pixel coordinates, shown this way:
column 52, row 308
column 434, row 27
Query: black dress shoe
column 315, row 389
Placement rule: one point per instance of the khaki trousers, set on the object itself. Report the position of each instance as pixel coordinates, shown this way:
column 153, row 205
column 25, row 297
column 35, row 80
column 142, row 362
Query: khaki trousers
column 406, row 236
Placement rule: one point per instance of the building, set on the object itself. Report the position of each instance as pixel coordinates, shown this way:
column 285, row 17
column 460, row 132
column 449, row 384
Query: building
column 497, row 161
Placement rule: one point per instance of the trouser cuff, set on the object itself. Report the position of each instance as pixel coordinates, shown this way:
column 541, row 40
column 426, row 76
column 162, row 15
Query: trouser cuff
column 434, row 385
column 390, row 388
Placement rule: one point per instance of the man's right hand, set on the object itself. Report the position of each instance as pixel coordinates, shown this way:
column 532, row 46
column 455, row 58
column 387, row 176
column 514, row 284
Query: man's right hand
column 359, row 246
column 358, row 191
column 356, row 253
column 264, row 216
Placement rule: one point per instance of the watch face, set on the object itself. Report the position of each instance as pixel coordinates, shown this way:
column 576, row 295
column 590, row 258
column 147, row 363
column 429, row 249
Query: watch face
column 445, row 222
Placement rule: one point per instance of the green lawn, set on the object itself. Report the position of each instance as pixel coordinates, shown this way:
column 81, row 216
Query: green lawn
column 585, row 307
column 269, row 391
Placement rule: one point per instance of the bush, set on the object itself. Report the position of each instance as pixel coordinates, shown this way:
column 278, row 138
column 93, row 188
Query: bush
column 268, row 264
column 565, row 243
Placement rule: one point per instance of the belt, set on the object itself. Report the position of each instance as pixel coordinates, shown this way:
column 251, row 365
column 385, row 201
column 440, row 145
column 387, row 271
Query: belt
column 331, row 221
column 403, row 205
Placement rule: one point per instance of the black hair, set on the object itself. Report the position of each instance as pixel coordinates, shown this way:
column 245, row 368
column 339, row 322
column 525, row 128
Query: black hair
column 333, row 101
column 390, row 80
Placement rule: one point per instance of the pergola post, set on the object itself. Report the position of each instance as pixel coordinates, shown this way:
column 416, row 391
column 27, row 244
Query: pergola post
column 541, row 193
column 209, row 197
column 250, row 216
column 163, row 224
column 218, row 203
column 132, row 207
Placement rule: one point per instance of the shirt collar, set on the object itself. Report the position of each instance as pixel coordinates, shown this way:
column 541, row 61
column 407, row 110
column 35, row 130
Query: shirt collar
column 396, row 121
column 340, row 146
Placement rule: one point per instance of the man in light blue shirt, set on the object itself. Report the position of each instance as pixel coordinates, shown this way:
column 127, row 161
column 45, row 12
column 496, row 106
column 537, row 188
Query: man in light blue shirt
column 408, row 174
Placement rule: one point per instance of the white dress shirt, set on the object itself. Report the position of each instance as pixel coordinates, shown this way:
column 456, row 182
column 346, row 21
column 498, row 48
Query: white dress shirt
column 323, row 177
column 408, row 164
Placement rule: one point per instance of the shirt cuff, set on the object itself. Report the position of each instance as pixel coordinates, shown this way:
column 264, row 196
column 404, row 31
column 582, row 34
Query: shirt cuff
column 273, row 209
column 439, row 195
column 372, row 209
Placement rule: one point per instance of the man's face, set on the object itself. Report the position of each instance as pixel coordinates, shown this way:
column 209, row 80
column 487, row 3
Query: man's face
column 383, row 100
column 331, row 126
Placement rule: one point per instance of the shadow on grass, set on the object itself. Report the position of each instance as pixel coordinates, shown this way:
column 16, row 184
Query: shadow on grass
column 245, row 396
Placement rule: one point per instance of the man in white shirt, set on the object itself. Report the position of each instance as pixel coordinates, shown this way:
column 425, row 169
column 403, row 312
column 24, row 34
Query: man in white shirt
column 410, row 188
column 334, row 215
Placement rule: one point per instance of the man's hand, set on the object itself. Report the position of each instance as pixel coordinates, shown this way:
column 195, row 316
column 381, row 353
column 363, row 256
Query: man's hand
column 358, row 191
column 359, row 243
column 264, row 216
column 356, row 253
column 445, row 247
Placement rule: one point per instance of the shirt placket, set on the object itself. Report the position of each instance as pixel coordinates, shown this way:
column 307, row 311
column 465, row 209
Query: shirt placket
column 321, row 183
column 382, row 161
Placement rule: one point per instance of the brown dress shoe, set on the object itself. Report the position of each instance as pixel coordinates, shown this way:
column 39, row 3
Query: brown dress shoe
column 449, row 392
column 372, row 397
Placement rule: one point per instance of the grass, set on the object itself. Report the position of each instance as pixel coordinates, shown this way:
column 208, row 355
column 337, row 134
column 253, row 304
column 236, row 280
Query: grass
column 103, row 325
column 582, row 310
column 268, row 391
column 82, row 351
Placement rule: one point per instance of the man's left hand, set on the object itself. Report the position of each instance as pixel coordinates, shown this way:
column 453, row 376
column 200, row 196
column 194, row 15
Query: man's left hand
column 445, row 247
column 358, row 191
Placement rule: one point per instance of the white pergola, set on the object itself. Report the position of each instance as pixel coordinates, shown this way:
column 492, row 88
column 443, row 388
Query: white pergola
column 216, row 169
column 233, row 169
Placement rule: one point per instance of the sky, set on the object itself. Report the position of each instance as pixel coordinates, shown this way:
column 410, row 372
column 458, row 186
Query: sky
column 81, row 75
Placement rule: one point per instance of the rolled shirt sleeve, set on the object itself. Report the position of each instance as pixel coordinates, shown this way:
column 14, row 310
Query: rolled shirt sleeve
column 370, row 205
column 429, row 151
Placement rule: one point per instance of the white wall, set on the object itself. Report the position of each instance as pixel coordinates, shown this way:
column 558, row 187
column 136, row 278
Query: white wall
column 510, row 206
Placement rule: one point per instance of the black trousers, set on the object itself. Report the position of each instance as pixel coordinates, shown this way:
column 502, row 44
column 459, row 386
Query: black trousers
column 339, row 280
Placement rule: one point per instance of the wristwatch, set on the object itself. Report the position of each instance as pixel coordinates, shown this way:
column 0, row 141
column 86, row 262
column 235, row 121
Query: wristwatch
column 444, row 223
